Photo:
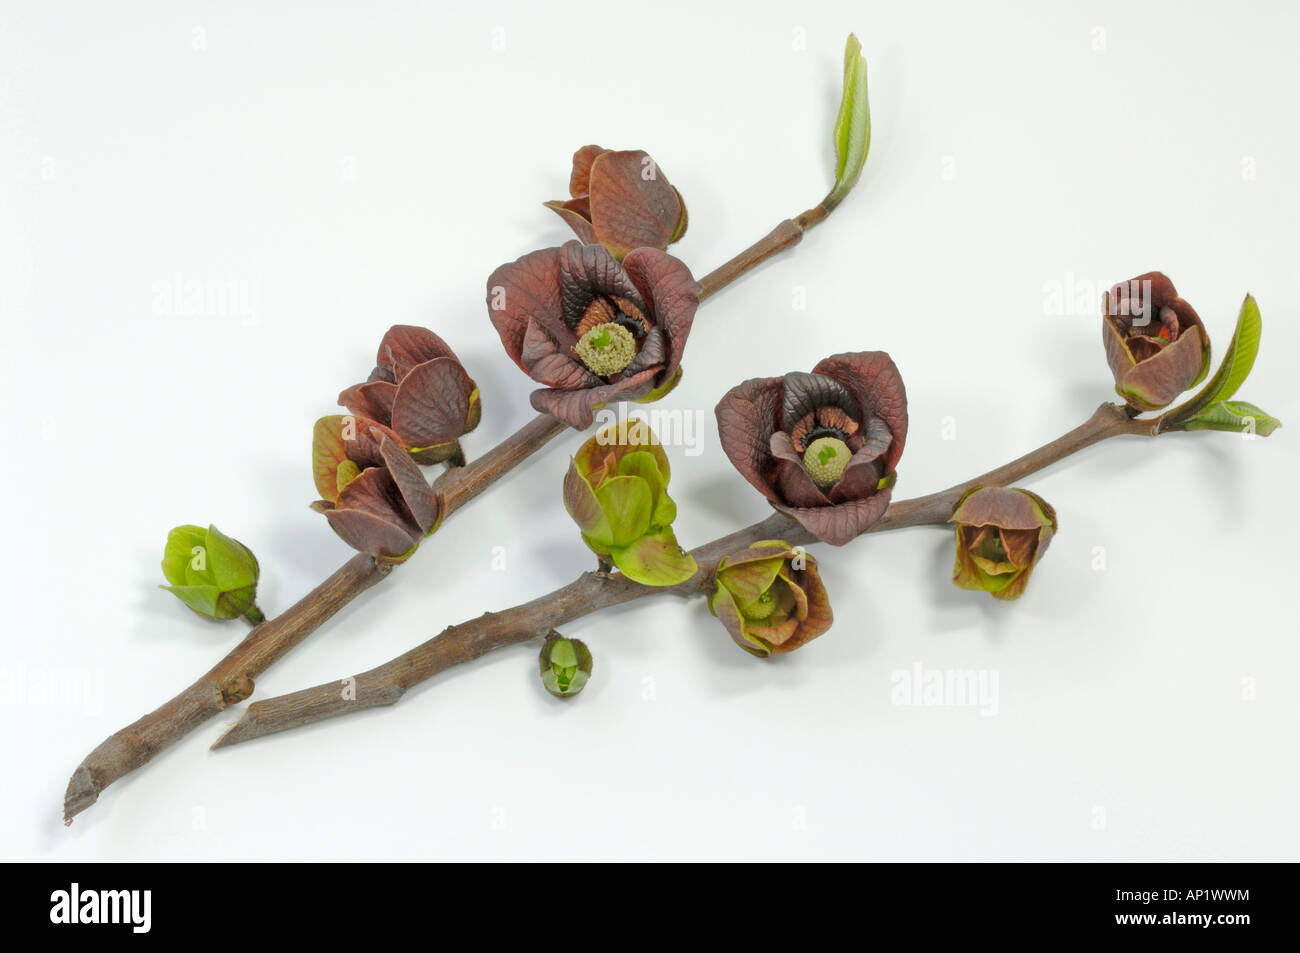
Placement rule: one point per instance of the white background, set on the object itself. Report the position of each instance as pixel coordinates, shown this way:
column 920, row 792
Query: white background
column 370, row 165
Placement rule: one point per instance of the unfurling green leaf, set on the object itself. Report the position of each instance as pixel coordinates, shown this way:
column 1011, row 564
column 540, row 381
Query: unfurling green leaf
column 852, row 132
column 1233, row 415
column 1237, row 362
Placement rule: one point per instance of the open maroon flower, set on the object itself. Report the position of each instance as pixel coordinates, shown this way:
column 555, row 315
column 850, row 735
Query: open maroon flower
column 1155, row 343
column 374, row 495
column 591, row 329
column 621, row 200
column 420, row 391
column 821, row 447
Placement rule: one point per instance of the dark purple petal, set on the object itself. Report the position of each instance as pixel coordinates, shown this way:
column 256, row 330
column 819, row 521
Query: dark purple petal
column 373, row 399
column 587, row 271
column 524, row 290
column 805, row 393
column 405, row 345
column 577, row 407
column 673, row 294
column 839, row 524
column 873, row 380
column 420, row 502
column 432, row 406
column 746, row 421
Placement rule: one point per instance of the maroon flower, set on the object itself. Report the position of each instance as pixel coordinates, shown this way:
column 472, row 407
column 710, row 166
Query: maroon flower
column 591, row 329
column 420, row 391
column 621, row 200
column 1155, row 343
column 374, row 495
column 821, row 447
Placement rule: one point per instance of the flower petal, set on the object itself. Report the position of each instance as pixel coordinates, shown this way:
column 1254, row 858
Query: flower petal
column 524, row 290
column 722, row 605
column 632, row 203
column 433, row 404
column 667, row 284
column 340, row 437
column 373, row 399
column 746, row 421
column 1004, row 507
column 577, row 407
column 1157, row 381
column 406, row 345
column 655, row 560
column 842, row 522
column 372, row 534
column 580, row 177
column 587, row 271
column 577, row 215
column 873, row 379
column 627, row 504
column 552, row 362
column 580, row 502
column 420, row 501
column 804, row 393
column 797, row 486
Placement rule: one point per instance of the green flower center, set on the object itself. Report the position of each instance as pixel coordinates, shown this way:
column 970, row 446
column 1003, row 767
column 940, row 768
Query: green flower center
column 760, row 609
column 606, row 349
column 825, row 460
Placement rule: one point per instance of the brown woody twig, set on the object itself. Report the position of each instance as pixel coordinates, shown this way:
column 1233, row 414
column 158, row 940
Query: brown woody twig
column 592, row 591
column 231, row 680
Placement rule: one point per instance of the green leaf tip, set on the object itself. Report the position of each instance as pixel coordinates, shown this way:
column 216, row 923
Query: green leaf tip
column 1238, row 360
column 852, row 132
column 1235, row 416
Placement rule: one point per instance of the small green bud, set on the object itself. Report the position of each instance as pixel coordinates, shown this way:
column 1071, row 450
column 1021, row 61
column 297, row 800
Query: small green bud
column 212, row 573
column 565, row 665
column 606, row 349
column 825, row 460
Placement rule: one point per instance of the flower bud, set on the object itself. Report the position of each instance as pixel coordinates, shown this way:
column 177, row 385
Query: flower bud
column 1155, row 343
column 621, row 200
column 616, row 490
column 565, row 665
column 210, row 572
column 1001, row 533
column 771, row 598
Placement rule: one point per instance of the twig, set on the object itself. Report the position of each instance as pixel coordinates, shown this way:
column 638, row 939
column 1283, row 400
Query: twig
column 592, row 591
column 231, row 680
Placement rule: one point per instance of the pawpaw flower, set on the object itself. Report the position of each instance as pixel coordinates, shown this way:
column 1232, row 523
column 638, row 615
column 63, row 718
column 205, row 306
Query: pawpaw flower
column 591, row 329
column 564, row 664
column 621, row 200
column 1001, row 534
column 1155, row 343
column 821, row 447
column 420, row 391
column 771, row 598
column 616, row 490
column 373, row 493
column 212, row 573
